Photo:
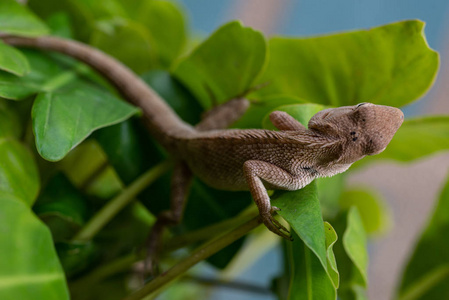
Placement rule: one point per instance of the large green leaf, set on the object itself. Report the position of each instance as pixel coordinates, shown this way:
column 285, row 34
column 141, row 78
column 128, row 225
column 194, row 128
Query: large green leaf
column 427, row 271
column 10, row 125
column 175, row 94
column 18, row 171
column 206, row 206
column 62, row 119
column 29, row 267
column 169, row 42
column 12, row 61
column 308, row 278
column 354, row 242
column 301, row 209
column 225, row 65
column 43, row 70
column 17, row 19
column 136, row 52
column 417, row 137
column 329, row 192
column 62, row 207
column 391, row 64
column 312, row 263
column 129, row 148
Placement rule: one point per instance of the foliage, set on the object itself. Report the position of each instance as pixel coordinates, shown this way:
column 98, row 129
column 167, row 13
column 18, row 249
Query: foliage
column 100, row 154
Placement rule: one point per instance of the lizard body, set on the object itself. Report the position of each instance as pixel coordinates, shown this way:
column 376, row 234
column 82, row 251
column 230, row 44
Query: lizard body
column 250, row 159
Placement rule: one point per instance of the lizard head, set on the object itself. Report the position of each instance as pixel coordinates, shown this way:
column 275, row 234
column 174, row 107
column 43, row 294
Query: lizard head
column 366, row 128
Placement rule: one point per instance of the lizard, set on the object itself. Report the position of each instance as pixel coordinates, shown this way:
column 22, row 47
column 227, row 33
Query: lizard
column 241, row 159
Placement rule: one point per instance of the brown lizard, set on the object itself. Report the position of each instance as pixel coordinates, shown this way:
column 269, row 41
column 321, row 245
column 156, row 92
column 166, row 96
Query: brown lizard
column 236, row 159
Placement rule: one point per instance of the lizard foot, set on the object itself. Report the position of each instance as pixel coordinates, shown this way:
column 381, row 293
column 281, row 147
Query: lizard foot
column 275, row 226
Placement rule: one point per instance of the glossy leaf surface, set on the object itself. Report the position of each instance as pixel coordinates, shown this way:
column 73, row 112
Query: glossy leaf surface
column 390, row 64
column 17, row 19
column 61, row 120
column 225, row 65
column 29, row 267
column 18, row 172
column 12, row 61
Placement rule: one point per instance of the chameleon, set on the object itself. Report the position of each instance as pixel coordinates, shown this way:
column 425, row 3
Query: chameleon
column 241, row 159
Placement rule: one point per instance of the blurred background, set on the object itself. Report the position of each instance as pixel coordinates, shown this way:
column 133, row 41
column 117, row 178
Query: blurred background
column 411, row 189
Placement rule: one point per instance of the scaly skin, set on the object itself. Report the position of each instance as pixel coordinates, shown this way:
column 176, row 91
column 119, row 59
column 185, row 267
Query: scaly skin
column 252, row 159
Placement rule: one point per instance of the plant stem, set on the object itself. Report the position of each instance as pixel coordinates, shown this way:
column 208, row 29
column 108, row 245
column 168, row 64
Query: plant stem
column 425, row 284
column 211, row 231
column 119, row 202
column 243, row 286
column 123, row 264
column 198, row 255
column 119, row 265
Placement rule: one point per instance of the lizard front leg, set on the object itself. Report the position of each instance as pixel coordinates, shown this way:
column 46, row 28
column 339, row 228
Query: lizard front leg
column 256, row 173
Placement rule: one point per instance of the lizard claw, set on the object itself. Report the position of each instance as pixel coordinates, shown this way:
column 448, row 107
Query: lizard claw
column 275, row 226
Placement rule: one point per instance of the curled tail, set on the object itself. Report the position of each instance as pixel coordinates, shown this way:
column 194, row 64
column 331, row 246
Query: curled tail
column 162, row 122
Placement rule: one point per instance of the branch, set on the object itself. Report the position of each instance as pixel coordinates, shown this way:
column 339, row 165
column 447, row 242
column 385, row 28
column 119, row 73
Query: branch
column 119, row 202
column 243, row 286
column 198, row 255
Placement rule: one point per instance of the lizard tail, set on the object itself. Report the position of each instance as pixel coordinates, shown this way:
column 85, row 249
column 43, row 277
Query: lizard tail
column 162, row 122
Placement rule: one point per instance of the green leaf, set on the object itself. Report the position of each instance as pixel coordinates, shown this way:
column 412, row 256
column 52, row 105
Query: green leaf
column 301, row 209
column 225, row 65
column 372, row 209
column 206, row 206
column 308, row 278
column 136, row 52
column 18, row 173
column 169, row 42
column 175, row 94
column 12, row 60
column 354, row 242
column 17, row 19
column 10, row 123
column 391, row 65
column 329, row 192
column 331, row 239
column 43, row 70
column 81, row 16
column 29, row 267
column 62, row 207
column 417, row 137
column 76, row 256
column 427, row 272
column 59, row 24
column 62, row 119
column 129, row 148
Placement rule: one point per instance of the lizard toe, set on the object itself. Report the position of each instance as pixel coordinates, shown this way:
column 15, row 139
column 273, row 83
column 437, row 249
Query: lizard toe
column 274, row 226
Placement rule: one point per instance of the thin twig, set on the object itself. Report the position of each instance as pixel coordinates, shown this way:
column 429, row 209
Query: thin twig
column 198, row 255
column 118, row 203
column 243, row 286
column 210, row 231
